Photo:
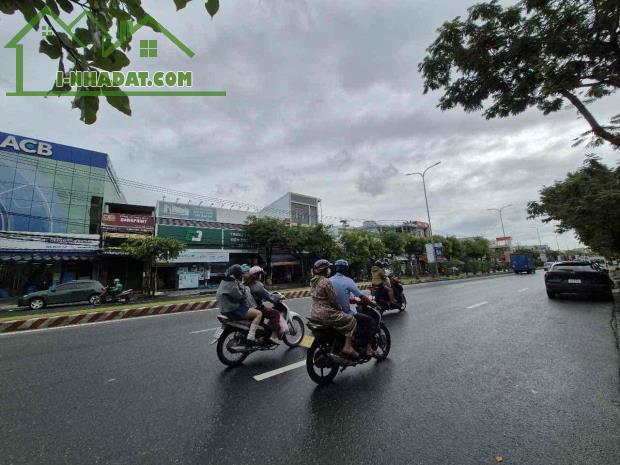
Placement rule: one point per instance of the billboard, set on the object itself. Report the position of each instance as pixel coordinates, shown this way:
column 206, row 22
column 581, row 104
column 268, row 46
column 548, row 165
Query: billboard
column 30, row 242
column 207, row 237
column 122, row 221
column 185, row 211
column 434, row 252
column 201, row 256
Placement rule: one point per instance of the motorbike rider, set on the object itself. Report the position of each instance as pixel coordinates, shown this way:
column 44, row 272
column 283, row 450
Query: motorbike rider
column 327, row 310
column 116, row 288
column 345, row 287
column 264, row 300
column 380, row 279
column 233, row 302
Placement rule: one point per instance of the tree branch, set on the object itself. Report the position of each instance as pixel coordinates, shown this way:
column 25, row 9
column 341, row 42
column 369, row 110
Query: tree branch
column 597, row 129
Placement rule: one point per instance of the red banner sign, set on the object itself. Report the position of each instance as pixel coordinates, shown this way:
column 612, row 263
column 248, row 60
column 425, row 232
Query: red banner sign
column 122, row 221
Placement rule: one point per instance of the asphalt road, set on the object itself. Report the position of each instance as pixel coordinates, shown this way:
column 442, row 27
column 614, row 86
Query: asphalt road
column 477, row 369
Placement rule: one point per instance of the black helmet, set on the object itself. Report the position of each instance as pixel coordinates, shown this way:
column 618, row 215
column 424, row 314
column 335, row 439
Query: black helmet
column 322, row 264
column 235, row 271
column 341, row 266
column 379, row 263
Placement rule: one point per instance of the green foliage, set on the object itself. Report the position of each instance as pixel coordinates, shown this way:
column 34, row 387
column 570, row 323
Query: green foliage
column 153, row 249
column 266, row 233
column 106, row 19
column 360, row 247
column 414, row 245
column 587, row 202
column 537, row 53
column 393, row 241
column 475, row 248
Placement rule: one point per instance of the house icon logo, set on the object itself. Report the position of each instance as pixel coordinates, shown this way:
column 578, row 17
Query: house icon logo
column 103, row 74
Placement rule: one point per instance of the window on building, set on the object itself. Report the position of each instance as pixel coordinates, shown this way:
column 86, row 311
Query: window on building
column 148, row 48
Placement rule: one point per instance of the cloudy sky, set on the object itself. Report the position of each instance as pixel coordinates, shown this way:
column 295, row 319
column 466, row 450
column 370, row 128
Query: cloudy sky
column 324, row 98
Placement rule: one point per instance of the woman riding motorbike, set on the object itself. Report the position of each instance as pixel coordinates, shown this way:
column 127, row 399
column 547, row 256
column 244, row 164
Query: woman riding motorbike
column 233, row 302
column 326, row 309
column 263, row 300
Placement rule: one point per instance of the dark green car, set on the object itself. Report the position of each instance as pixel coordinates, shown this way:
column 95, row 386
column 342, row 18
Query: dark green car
column 66, row 293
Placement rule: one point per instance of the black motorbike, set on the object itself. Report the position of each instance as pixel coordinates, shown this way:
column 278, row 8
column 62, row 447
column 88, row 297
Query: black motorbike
column 382, row 298
column 233, row 346
column 107, row 297
column 324, row 358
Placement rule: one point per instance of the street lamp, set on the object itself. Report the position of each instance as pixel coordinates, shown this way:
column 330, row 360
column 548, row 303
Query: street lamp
column 428, row 213
column 501, row 219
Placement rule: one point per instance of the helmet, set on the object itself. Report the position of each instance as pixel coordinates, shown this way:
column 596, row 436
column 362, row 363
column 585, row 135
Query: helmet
column 235, row 271
column 322, row 264
column 341, row 266
column 255, row 270
column 116, row 280
column 379, row 263
column 245, row 268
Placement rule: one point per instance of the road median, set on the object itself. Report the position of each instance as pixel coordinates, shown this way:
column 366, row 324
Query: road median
column 16, row 323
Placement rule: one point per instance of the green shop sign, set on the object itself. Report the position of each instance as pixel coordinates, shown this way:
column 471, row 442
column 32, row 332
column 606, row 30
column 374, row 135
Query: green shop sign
column 208, row 237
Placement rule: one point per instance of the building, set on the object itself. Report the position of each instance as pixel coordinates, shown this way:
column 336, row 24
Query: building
column 296, row 208
column 417, row 228
column 502, row 247
column 51, row 202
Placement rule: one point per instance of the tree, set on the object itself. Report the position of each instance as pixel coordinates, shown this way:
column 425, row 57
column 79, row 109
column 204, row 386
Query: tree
column 393, row 241
column 309, row 243
column 108, row 21
column 360, row 247
column 152, row 250
column 536, row 53
column 414, row 247
column 587, row 202
column 266, row 233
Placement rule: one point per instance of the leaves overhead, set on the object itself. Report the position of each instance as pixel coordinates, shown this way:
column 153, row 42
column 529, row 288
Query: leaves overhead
column 106, row 19
column 537, row 53
column 586, row 201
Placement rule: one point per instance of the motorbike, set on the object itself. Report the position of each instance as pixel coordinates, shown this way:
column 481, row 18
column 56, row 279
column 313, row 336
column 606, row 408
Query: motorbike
column 382, row 299
column 106, row 297
column 231, row 338
column 324, row 360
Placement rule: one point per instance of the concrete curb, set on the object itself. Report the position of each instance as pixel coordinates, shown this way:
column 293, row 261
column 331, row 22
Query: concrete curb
column 97, row 317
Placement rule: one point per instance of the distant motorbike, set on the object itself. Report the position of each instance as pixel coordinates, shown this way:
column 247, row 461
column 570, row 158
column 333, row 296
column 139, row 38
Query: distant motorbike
column 382, row 299
column 107, row 297
column 323, row 360
column 232, row 344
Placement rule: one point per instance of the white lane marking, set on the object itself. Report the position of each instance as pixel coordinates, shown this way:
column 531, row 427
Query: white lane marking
column 111, row 380
column 203, row 330
column 523, row 290
column 479, row 304
column 279, row 371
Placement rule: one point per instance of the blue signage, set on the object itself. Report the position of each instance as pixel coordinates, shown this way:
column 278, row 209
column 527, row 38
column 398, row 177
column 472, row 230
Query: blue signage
column 44, row 149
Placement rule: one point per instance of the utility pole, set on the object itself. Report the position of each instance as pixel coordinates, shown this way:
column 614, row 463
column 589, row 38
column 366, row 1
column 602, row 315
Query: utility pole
column 501, row 219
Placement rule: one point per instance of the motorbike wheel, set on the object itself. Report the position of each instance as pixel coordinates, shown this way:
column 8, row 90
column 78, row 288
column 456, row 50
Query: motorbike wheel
column 229, row 338
column 403, row 303
column 321, row 369
column 296, row 325
column 383, row 341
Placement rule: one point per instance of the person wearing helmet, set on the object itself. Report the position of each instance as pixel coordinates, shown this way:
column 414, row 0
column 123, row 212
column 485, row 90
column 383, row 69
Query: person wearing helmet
column 232, row 300
column 116, row 288
column 380, row 279
column 345, row 287
column 263, row 300
column 325, row 306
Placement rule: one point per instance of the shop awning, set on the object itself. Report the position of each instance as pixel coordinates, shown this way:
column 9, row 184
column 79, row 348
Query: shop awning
column 44, row 257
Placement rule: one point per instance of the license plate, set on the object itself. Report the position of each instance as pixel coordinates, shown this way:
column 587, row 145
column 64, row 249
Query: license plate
column 574, row 281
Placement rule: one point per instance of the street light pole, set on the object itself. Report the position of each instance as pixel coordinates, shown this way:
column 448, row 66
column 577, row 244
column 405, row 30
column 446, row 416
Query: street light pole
column 501, row 219
column 428, row 212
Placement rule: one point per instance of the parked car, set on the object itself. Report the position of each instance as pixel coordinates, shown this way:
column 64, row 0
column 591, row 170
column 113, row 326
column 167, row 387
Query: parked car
column 66, row 293
column 578, row 277
column 547, row 266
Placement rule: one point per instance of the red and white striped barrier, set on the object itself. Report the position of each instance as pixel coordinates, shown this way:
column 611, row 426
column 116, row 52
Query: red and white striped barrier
column 96, row 317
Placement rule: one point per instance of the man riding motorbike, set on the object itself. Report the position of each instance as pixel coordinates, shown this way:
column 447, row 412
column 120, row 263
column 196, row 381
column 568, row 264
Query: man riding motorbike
column 264, row 301
column 116, row 288
column 327, row 310
column 380, row 279
column 233, row 302
column 345, row 287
